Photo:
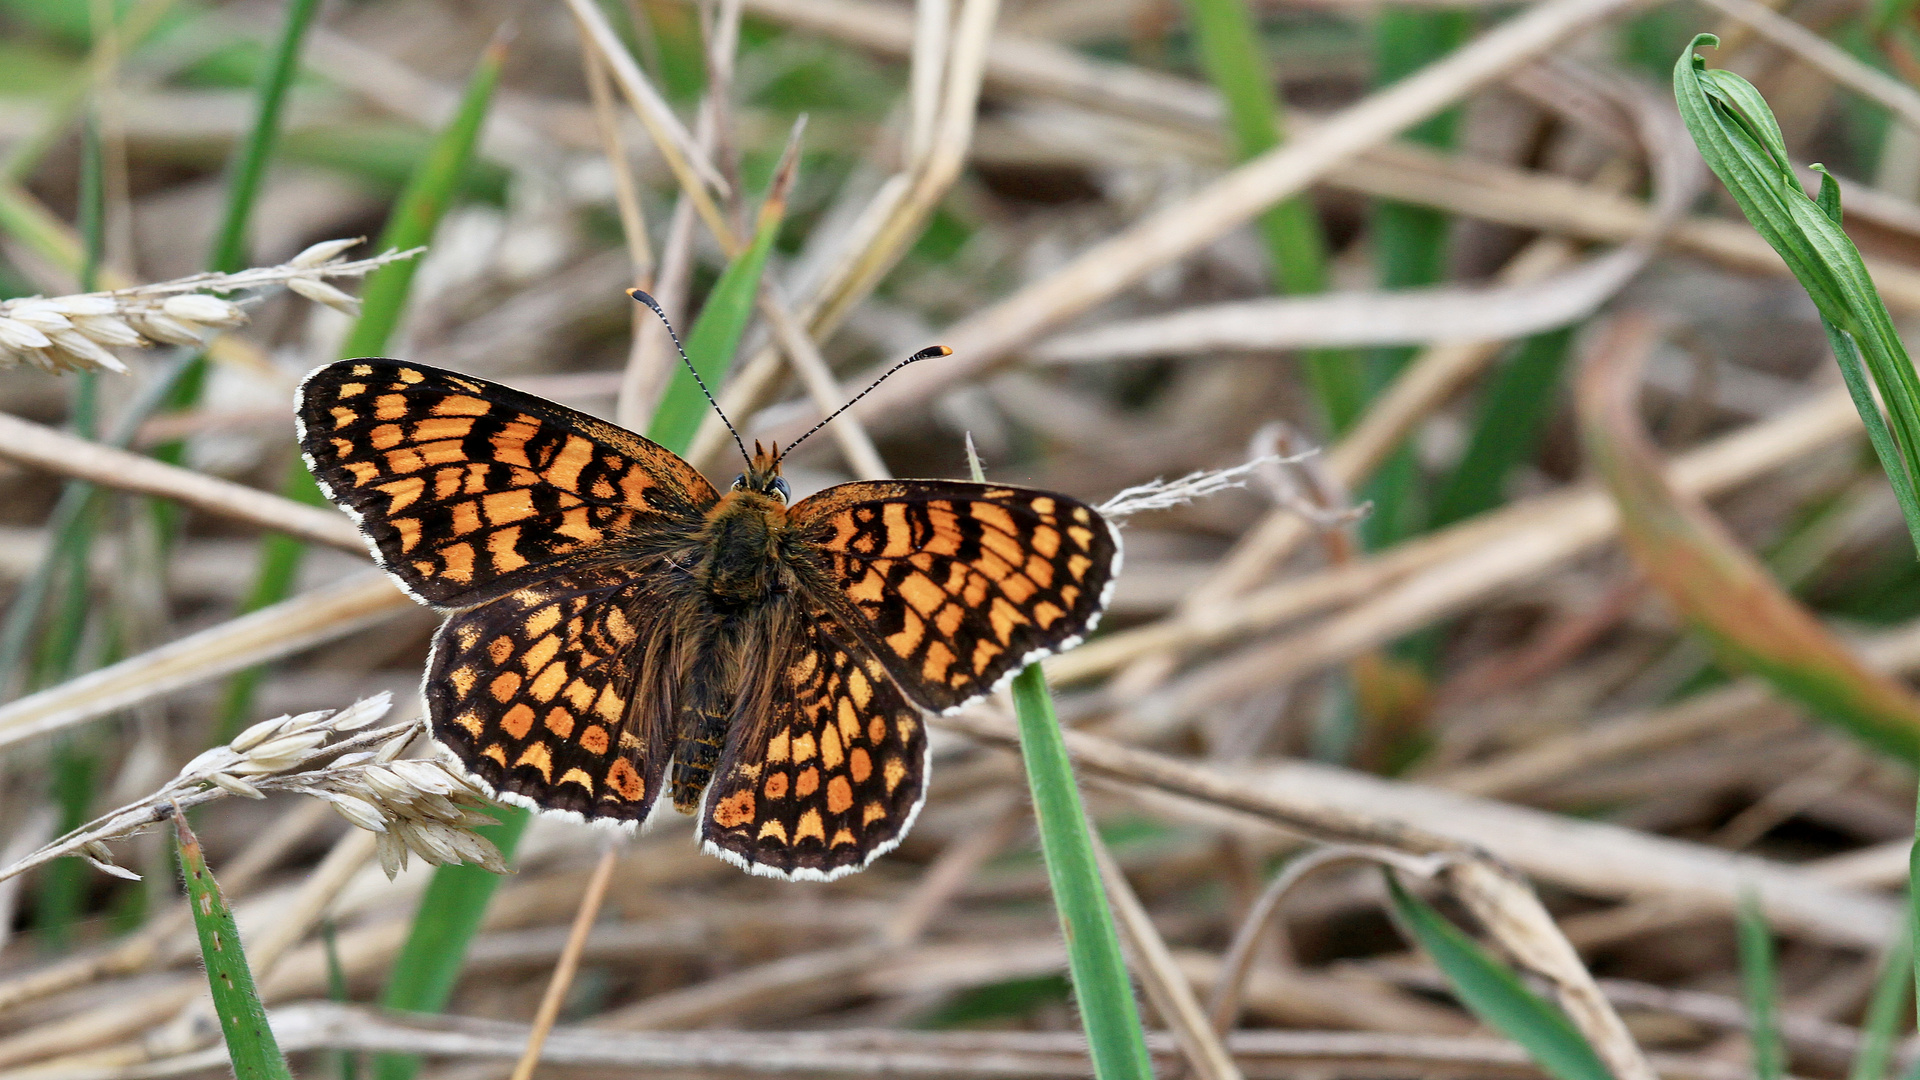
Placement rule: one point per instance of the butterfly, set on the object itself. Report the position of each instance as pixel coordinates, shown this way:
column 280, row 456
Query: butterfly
column 620, row 632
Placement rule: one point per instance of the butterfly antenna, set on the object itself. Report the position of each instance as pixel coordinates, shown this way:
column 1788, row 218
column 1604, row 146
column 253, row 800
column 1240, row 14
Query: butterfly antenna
column 927, row 353
column 695, row 372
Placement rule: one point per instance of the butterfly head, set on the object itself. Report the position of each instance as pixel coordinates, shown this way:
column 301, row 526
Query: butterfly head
column 763, row 474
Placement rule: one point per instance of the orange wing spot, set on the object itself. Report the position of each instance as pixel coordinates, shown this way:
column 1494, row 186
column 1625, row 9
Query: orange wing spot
column 409, row 376
column 1004, row 546
column 912, row 629
column 463, row 678
column 574, row 456
column 470, row 720
column 1040, row 571
column 390, row 406
column 405, row 460
column 610, row 706
column 810, row 825
column 1045, row 540
column 409, row 530
column 560, row 722
column 506, row 507
column 352, row 389
column 466, row 518
column 461, row 405
column 437, row 428
column 808, row 783
column 776, row 786
column 938, row 660
column 625, row 781
column 992, row 516
column 999, row 494
column 877, row 731
column 424, row 566
column 497, row 752
column 1018, row 589
column 444, row 452
column 594, row 740
column 543, row 620
column 841, row 836
column 803, row 748
column 363, row 370
column 503, row 546
column 446, row 482
column 948, row 620
column 1071, row 594
column 1081, row 537
column 975, row 593
column 617, row 626
column 993, row 566
column 778, row 748
column 540, row 758
column 580, row 695
column 984, row 654
column 1077, row 566
column 734, row 811
column 893, row 518
column 859, row 765
column 601, row 489
column 772, row 830
column 510, row 446
column 831, row 752
column 945, row 538
column 907, row 728
column 404, row 492
column 1005, row 617
column 364, row 472
column 1046, row 614
column 870, row 589
column 457, row 562
column 476, row 479
column 871, row 813
column 893, row 772
column 386, row 436
column 575, row 525
column 922, row 593
column 578, row 776
column 1043, row 505
column 549, row 681
column 504, row 686
column 849, row 722
column 344, row 447
column 342, row 416
column 1080, row 515
column 517, row 721
column 859, row 687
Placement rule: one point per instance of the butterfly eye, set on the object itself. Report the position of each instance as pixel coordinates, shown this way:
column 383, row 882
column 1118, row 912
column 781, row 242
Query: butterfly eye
column 740, row 482
column 780, row 486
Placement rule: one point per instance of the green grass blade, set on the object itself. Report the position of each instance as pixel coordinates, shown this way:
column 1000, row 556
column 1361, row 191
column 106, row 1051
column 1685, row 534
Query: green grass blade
column 1101, row 984
column 1513, row 412
column 243, row 1020
column 1491, row 991
column 1100, row 981
column 1740, row 140
column 1885, row 1009
column 1229, row 44
column 249, row 164
column 1762, row 990
column 383, row 300
column 716, row 333
column 428, row 965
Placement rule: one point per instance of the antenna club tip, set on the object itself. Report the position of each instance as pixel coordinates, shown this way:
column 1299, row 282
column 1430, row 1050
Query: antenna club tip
column 929, row 353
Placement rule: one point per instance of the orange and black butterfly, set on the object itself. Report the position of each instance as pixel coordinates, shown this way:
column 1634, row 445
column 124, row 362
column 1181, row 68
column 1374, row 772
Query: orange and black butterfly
column 620, row 630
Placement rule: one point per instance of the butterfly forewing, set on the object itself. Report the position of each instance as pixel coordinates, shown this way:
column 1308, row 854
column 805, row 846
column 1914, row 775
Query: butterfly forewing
column 959, row 585
column 468, row 489
column 534, row 692
column 836, row 775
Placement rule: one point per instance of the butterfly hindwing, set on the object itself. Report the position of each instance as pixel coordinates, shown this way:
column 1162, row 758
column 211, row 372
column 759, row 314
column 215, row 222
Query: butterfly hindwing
column 959, row 585
column 534, row 693
column 467, row 489
column 833, row 777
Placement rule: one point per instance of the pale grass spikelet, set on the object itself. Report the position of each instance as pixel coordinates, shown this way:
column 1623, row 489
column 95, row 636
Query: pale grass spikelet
column 340, row 756
column 66, row 333
column 1167, row 494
